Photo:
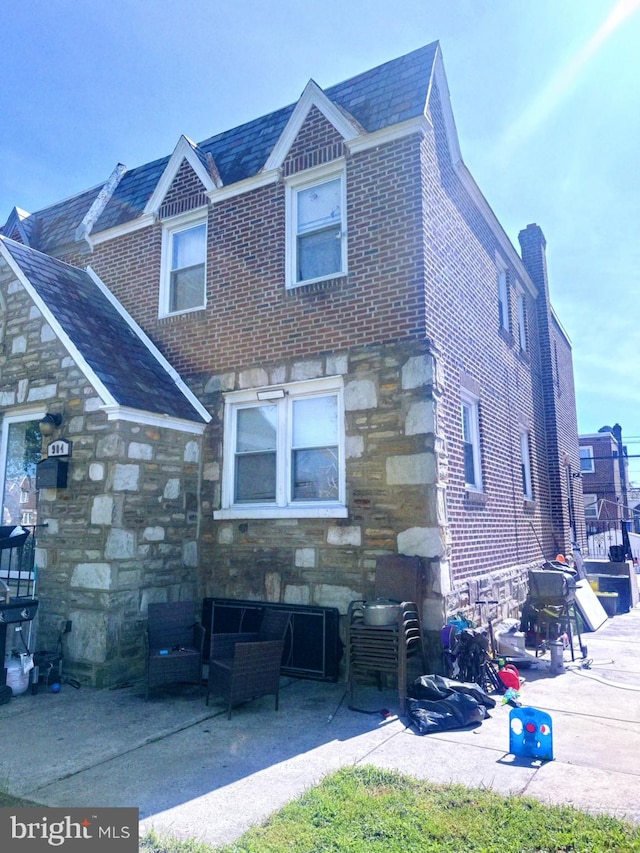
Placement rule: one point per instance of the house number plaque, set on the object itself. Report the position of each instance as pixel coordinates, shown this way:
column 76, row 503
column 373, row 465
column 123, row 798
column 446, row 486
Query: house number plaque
column 61, row 447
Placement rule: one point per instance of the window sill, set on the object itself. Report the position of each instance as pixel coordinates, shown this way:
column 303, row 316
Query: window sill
column 179, row 316
column 475, row 500
column 281, row 512
column 316, row 284
column 506, row 335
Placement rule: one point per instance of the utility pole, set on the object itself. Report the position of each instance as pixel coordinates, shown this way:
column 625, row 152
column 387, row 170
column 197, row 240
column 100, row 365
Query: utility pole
column 622, row 468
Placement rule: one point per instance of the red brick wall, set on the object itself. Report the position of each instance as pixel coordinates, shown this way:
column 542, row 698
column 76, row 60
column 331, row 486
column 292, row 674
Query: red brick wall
column 317, row 142
column 250, row 318
column 497, row 529
column 185, row 193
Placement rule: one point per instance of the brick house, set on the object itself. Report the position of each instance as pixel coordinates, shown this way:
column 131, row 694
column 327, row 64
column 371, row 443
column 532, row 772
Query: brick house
column 283, row 355
column 604, row 469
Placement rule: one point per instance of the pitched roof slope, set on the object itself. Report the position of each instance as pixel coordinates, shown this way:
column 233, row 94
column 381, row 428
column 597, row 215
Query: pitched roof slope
column 383, row 96
column 118, row 356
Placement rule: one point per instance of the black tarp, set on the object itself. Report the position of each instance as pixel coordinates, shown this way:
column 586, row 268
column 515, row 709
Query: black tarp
column 437, row 704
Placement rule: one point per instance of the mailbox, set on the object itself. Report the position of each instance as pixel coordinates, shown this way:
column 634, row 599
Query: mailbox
column 52, row 473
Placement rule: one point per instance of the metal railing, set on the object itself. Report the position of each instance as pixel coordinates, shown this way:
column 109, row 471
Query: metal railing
column 17, row 559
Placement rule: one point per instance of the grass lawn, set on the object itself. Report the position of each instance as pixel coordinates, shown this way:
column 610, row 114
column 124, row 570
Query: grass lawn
column 366, row 810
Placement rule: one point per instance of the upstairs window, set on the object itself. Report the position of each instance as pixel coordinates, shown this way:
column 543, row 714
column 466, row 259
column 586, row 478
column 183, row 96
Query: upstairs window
column 525, row 458
column 471, row 442
column 284, row 452
column 522, row 323
column 184, row 252
column 503, row 300
column 587, row 465
column 316, row 244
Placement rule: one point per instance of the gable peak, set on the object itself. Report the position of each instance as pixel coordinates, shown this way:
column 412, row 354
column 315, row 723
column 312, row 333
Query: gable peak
column 312, row 96
column 201, row 162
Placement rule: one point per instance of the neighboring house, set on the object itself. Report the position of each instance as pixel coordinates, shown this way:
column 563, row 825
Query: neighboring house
column 285, row 354
column 604, row 467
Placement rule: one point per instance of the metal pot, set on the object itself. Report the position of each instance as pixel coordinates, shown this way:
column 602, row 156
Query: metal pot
column 381, row 612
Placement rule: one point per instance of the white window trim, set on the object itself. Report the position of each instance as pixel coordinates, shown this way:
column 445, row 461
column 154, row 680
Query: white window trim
column 503, row 295
column 169, row 228
column 473, row 402
column 17, row 416
column 281, row 509
column 301, row 181
column 588, row 458
column 594, row 504
column 523, row 337
column 525, row 457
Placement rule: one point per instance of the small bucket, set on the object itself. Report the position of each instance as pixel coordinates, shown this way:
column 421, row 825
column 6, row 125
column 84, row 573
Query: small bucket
column 17, row 677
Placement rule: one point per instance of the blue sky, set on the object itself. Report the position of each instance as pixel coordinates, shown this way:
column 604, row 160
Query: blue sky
column 546, row 96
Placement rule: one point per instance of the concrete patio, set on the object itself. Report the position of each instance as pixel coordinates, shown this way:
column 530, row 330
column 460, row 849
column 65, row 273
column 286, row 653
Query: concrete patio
column 193, row 773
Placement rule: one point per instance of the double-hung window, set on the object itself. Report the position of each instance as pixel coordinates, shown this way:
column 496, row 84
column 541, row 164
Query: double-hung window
column 503, row 299
column 284, row 452
column 525, row 458
column 471, row 442
column 316, row 232
column 184, row 253
column 522, row 323
column 591, row 506
column 587, row 464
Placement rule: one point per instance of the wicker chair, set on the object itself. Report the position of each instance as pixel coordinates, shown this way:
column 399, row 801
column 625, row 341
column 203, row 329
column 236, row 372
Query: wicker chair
column 175, row 641
column 247, row 665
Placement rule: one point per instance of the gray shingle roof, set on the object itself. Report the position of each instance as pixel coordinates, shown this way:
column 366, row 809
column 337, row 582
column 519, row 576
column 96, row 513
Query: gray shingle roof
column 109, row 345
column 380, row 97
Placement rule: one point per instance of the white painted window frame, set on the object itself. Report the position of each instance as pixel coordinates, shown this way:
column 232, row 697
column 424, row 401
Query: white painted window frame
column 170, row 227
column 17, row 416
column 586, row 455
column 302, row 181
column 283, row 507
column 593, row 504
column 503, row 296
column 525, row 458
column 472, row 403
column 523, row 335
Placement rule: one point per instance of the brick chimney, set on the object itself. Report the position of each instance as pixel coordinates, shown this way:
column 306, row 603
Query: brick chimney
column 560, row 438
column 533, row 247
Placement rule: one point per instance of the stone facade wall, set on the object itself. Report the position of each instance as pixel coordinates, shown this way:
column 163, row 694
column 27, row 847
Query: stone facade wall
column 391, row 487
column 124, row 531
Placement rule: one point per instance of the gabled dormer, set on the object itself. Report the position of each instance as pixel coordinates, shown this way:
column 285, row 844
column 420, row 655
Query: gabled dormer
column 17, row 226
column 310, row 153
column 187, row 177
column 316, row 127
column 181, row 203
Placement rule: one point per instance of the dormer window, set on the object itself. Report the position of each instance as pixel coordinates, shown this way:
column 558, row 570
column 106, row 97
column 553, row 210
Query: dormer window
column 184, row 253
column 316, row 231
